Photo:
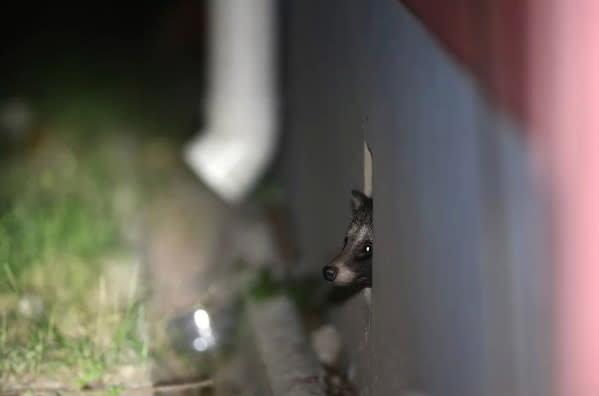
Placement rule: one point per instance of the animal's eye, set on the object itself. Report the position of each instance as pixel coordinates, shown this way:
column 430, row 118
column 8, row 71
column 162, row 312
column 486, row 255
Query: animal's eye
column 345, row 241
column 368, row 249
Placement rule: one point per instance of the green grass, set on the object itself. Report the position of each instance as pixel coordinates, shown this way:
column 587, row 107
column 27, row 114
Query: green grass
column 63, row 205
column 62, row 318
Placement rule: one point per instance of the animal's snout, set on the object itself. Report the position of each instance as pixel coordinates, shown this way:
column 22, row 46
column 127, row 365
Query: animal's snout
column 329, row 273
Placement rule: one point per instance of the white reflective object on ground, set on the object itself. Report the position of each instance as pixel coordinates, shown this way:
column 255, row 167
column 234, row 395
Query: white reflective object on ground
column 200, row 344
column 201, row 319
column 205, row 339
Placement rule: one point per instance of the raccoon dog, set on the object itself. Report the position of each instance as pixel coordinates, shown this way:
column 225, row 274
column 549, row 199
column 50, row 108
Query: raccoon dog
column 353, row 265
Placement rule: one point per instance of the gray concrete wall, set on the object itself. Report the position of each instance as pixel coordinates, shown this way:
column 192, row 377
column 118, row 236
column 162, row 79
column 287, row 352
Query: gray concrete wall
column 459, row 298
column 323, row 142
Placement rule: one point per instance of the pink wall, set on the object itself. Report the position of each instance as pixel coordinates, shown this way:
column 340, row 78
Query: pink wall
column 564, row 97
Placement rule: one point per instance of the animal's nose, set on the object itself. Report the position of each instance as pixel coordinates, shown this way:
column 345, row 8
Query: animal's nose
column 329, row 273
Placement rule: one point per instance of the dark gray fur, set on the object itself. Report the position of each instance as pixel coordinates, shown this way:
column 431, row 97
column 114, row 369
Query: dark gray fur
column 353, row 265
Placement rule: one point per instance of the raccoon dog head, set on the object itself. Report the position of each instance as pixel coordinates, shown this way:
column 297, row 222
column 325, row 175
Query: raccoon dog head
column 353, row 265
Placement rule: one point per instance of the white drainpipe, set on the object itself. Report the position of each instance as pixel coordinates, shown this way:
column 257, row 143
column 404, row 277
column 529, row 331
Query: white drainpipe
column 242, row 117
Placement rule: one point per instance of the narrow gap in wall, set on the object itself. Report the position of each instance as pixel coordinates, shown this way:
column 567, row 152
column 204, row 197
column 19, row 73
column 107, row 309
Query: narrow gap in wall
column 367, row 170
column 367, row 190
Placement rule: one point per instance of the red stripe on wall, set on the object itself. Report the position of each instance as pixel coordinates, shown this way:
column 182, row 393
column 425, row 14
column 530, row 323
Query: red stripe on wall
column 487, row 37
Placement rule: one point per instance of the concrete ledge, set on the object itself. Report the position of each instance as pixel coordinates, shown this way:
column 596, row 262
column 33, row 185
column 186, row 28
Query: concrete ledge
column 289, row 364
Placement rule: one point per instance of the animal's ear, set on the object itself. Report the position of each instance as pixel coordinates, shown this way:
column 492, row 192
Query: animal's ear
column 358, row 200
